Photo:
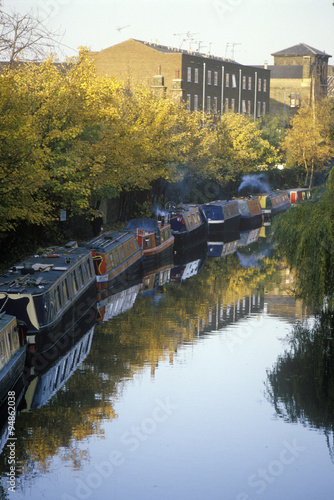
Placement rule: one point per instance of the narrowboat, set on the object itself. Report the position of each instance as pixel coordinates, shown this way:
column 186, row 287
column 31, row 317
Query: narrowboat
column 297, row 195
column 189, row 227
column 249, row 237
column 222, row 216
column 153, row 281
column 274, row 203
column 12, row 353
column 154, row 238
column 43, row 288
column 251, row 215
column 117, row 259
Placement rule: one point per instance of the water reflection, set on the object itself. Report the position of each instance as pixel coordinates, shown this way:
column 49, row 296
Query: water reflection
column 301, row 384
column 80, row 385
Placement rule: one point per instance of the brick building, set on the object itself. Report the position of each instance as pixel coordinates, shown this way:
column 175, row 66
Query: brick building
column 204, row 82
column 298, row 76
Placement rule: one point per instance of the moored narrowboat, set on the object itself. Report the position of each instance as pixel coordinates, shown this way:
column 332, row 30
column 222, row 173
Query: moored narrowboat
column 43, row 288
column 297, row 195
column 155, row 239
column 12, row 353
column 117, row 259
column 222, row 216
column 189, row 227
column 274, row 203
column 251, row 215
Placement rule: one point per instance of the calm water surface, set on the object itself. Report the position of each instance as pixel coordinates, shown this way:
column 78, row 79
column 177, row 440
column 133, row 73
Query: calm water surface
column 190, row 390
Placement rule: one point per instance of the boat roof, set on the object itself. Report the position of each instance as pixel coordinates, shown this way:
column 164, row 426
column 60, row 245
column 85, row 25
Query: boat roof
column 220, row 203
column 107, row 241
column 150, row 225
column 39, row 272
column 5, row 320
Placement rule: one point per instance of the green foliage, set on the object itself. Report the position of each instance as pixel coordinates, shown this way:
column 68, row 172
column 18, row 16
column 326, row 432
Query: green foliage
column 305, row 235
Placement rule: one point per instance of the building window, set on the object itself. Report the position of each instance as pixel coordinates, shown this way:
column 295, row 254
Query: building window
column 264, row 108
column 209, row 77
column 243, row 106
column 208, row 104
column 259, row 84
column 215, row 78
column 196, row 75
column 297, row 99
column 233, row 105
column 215, row 105
column 188, row 102
column 259, row 108
column 249, row 107
column 234, row 81
column 226, row 104
column 249, row 83
column 244, row 81
column 195, row 102
column 227, row 80
column 264, row 85
column 188, row 74
column 294, row 100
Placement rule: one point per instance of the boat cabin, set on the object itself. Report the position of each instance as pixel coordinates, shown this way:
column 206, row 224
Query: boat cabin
column 298, row 195
column 187, row 218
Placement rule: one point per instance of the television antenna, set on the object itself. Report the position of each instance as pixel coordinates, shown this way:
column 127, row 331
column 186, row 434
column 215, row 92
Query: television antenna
column 232, row 45
column 119, row 28
column 188, row 37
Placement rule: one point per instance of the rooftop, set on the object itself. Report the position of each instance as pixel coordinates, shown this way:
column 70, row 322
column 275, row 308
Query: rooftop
column 302, row 49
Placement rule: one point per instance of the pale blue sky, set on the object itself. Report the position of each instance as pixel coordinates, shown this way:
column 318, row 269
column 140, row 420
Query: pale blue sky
column 251, row 29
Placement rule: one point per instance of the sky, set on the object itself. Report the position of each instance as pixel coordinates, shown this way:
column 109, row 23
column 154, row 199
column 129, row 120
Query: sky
column 248, row 31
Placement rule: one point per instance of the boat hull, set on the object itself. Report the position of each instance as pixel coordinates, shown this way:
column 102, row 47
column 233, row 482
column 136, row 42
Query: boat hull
column 11, row 372
column 251, row 222
column 189, row 240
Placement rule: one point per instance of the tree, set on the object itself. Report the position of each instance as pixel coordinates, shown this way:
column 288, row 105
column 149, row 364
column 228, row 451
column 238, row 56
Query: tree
column 307, row 143
column 305, row 236
column 25, row 37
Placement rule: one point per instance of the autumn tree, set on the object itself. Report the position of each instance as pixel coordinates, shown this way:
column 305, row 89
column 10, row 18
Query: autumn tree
column 307, row 143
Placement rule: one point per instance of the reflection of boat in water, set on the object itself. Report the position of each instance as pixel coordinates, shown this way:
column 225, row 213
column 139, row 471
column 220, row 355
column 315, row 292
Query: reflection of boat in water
column 189, row 227
column 221, row 249
column 40, row 290
column 52, row 370
column 222, row 216
column 117, row 259
column 155, row 239
column 249, row 237
column 153, row 280
column 274, row 203
column 251, row 213
column 112, row 305
column 182, row 273
column 189, row 264
column 12, row 353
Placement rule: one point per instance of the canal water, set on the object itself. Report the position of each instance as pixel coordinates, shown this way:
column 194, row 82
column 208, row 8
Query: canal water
column 205, row 381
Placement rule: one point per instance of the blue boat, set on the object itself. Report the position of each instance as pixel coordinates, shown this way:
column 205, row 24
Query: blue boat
column 222, row 216
column 189, row 227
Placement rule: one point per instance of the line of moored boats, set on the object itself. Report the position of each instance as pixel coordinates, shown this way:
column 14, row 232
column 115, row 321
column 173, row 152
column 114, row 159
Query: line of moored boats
column 49, row 290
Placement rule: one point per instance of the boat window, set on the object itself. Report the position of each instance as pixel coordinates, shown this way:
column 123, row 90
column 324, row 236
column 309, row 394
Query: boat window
column 65, row 290
column 2, row 349
column 162, row 236
column 117, row 256
column 75, row 282
column 122, row 252
column 147, row 242
column 81, row 277
column 10, row 340
column 89, row 268
column 58, row 298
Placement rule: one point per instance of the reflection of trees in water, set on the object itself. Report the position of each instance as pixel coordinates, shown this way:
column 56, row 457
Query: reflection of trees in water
column 301, row 384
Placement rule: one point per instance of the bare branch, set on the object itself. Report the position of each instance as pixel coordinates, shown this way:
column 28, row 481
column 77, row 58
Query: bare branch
column 25, row 38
